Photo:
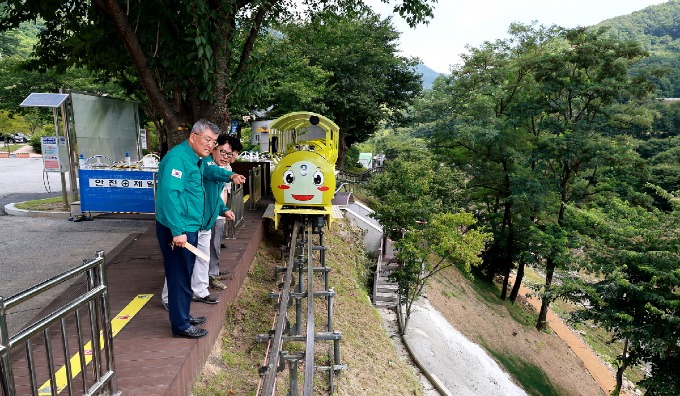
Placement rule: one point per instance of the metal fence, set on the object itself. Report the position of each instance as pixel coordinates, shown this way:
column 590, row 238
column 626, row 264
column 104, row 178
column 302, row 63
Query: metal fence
column 236, row 205
column 236, row 201
column 255, row 183
column 77, row 369
column 347, row 180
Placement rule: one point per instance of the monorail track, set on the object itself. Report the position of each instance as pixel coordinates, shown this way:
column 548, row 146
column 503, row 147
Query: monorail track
column 301, row 256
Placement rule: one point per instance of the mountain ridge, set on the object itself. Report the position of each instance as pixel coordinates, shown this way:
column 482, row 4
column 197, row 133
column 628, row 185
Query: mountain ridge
column 428, row 75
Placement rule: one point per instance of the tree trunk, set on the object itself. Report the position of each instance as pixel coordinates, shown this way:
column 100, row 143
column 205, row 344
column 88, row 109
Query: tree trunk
column 518, row 282
column 407, row 316
column 131, row 43
column 621, row 369
column 541, row 324
column 342, row 149
column 506, row 280
column 507, row 232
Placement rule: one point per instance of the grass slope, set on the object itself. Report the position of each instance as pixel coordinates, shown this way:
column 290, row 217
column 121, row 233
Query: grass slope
column 373, row 365
column 540, row 362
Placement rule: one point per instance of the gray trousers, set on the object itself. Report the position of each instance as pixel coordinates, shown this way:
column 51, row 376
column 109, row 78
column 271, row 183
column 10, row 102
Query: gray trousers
column 216, row 245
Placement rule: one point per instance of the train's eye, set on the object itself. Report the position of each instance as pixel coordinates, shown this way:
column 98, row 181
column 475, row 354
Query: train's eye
column 318, row 178
column 288, row 177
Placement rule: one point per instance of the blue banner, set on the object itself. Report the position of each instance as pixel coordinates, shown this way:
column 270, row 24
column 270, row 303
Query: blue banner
column 117, row 191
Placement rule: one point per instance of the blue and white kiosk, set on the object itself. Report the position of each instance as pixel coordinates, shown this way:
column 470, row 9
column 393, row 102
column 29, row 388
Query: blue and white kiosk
column 100, row 145
column 113, row 177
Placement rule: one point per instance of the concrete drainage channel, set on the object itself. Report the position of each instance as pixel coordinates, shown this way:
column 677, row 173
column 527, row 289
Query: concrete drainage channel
column 389, row 317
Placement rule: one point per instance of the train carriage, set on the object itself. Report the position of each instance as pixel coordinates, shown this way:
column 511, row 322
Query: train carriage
column 304, row 149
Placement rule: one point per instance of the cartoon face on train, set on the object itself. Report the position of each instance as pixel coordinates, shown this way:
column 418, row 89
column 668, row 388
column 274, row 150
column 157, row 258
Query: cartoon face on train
column 303, row 178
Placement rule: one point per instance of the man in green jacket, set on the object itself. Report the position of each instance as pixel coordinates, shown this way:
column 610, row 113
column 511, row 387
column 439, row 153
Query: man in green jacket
column 215, row 208
column 180, row 214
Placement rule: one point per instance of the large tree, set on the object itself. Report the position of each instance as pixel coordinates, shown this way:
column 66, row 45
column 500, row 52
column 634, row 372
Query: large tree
column 539, row 121
column 182, row 60
column 483, row 119
column 367, row 80
column 637, row 297
column 587, row 92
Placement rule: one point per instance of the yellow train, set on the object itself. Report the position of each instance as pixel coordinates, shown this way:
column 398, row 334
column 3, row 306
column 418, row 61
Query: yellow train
column 304, row 149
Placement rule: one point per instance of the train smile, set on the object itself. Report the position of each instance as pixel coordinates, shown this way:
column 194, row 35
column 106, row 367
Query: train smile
column 299, row 197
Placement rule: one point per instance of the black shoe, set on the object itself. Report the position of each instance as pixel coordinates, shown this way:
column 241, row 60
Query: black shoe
column 192, row 332
column 209, row 299
column 196, row 320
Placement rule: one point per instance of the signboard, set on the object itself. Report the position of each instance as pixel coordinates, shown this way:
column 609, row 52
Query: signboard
column 235, row 128
column 260, row 134
column 106, row 126
column 117, row 191
column 142, row 137
column 55, row 154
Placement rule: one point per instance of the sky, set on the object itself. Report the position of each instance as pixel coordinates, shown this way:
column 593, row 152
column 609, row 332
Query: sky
column 458, row 23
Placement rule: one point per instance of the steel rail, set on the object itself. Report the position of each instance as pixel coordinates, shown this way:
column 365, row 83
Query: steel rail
column 269, row 382
column 308, row 389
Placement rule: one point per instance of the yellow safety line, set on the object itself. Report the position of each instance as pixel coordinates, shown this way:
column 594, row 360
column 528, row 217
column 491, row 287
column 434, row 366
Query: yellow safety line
column 117, row 324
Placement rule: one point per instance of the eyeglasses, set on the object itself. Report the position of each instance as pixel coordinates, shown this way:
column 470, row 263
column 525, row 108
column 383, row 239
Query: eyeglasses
column 228, row 154
column 207, row 140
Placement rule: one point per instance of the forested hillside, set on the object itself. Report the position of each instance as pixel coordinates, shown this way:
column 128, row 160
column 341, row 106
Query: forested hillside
column 658, row 30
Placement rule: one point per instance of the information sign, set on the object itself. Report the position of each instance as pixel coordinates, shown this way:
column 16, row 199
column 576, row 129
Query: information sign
column 54, row 153
column 117, row 191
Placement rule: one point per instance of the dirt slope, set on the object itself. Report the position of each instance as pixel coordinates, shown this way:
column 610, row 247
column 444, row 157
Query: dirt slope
column 487, row 322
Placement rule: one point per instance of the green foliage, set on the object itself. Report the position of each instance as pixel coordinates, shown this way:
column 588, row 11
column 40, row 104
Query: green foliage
column 153, row 141
column 638, row 251
column 352, row 158
column 539, row 121
column 182, row 61
column 531, row 377
column 18, row 81
column 365, row 76
column 656, row 28
column 663, row 155
column 36, row 142
column 19, row 42
column 425, row 249
column 11, row 123
column 413, row 188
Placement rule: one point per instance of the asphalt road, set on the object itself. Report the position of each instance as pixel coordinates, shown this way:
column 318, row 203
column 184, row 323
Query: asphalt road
column 34, row 249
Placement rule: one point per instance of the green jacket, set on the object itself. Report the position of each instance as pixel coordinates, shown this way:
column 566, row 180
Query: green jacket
column 180, row 190
column 214, row 206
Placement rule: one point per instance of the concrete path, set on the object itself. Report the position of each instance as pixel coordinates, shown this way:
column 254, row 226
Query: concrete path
column 457, row 365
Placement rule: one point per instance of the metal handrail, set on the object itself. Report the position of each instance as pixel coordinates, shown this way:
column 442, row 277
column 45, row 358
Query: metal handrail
column 236, row 201
column 378, row 269
column 236, row 205
column 255, row 176
column 348, row 180
column 96, row 300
